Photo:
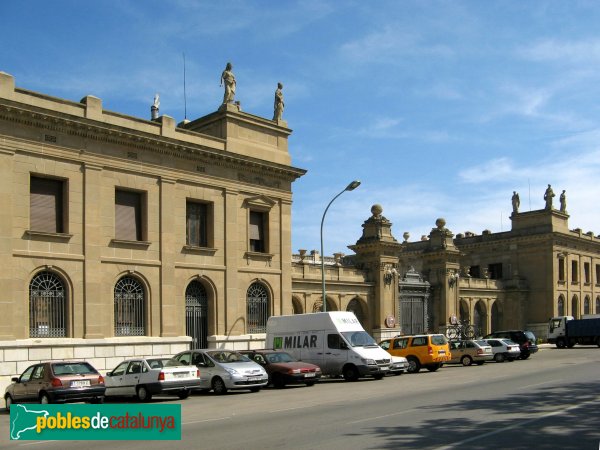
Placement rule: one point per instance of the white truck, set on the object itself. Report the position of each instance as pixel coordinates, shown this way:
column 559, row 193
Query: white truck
column 335, row 341
column 566, row 331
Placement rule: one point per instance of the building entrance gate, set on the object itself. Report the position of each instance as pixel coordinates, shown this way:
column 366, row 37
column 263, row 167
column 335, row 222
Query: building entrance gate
column 413, row 303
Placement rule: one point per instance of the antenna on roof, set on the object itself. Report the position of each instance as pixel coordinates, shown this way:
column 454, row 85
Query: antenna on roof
column 529, row 183
column 184, row 93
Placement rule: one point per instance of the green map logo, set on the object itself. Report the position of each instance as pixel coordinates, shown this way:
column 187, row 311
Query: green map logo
column 95, row 422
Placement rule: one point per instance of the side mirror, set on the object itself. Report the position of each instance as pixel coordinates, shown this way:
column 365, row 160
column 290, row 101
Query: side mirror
column 15, row 379
column 109, row 374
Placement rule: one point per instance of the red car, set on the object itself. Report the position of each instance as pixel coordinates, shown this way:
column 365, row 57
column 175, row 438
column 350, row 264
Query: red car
column 283, row 369
column 56, row 382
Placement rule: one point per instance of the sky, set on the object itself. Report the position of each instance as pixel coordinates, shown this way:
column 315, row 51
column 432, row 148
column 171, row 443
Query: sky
column 439, row 108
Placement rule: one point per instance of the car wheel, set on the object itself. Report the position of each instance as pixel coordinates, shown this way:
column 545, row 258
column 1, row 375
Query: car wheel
column 466, row 361
column 350, row 373
column 8, row 402
column 143, row 394
column 183, row 394
column 527, row 355
column 278, row 382
column 218, row 386
column 44, row 399
column 310, row 383
column 480, row 363
column 433, row 367
column 413, row 365
column 499, row 357
column 379, row 376
column 560, row 343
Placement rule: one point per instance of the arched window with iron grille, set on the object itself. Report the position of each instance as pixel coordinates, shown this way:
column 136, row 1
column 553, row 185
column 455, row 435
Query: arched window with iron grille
column 129, row 308
column 257, row 308
column 47, row 306
column 196, row 314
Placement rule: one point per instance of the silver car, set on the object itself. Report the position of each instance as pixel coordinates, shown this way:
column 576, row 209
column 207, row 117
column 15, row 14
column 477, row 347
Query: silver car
column 504, row 349
column 221, row 370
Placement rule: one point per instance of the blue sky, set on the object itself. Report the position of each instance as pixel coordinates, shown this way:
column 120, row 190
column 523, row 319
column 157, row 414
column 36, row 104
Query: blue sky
column 440, row 108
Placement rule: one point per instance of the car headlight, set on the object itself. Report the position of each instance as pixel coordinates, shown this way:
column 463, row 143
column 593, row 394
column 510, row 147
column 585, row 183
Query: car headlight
column 369, row 362
column 231, row 371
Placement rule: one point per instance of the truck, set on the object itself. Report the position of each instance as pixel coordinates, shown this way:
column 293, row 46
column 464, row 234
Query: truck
column 566, row 331
column 334, row 341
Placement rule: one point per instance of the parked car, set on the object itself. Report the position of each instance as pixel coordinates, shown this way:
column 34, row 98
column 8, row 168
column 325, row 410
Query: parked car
column 56, row 382
column 525, row 339
column 143, row 378
column 398, row 366
column 470, row 351
column 284, row 369
column 221, row 370
column 504, row 349
column 427, row 350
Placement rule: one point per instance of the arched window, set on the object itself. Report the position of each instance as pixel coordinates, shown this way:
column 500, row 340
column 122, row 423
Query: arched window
column 47, row 306
column 356, row 307
column 196, row 314
column 130, row 305
column 561, row 306
column 257, row 309
column 586, row 305
column 575, row 307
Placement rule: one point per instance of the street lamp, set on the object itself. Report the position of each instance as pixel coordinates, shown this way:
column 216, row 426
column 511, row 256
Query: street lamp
column 350, row 187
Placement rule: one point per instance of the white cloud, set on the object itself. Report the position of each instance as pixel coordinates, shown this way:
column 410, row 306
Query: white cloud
column 553, row 50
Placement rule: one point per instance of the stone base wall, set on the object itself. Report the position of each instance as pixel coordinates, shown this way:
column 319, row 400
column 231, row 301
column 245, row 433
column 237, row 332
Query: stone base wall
column 103, row 354
column 242, row 342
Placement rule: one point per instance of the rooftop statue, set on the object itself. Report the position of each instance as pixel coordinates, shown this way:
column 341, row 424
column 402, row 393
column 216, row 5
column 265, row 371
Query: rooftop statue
column 516, row 202
column 548, row 196
column 563, row 202
column 228, row 78
column 279, row 104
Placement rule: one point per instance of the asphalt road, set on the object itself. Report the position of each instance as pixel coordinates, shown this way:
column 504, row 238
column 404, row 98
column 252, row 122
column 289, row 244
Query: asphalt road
column 551, row 401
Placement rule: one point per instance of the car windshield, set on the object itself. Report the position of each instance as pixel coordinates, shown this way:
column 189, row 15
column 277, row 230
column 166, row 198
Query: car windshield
column 224, row 356
column 359, row 339
column 438, row 339
column 280, row 357
column 482, row 342
column 508, row 342
column 81, row 368
column 159, row 363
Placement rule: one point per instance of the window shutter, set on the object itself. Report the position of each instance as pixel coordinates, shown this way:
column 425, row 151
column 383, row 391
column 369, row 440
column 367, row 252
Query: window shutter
column 128, row 216
column 46, row 205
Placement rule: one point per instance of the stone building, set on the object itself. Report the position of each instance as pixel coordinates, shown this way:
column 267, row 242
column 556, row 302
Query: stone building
column 121, row 236
column 514, row 279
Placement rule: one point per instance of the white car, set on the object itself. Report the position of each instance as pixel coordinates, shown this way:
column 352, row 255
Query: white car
column 398, row 366
column 504, row 349
column 142, row 378
column 221, row 370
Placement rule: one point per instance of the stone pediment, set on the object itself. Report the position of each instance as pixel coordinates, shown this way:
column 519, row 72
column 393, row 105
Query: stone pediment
column 260, row 202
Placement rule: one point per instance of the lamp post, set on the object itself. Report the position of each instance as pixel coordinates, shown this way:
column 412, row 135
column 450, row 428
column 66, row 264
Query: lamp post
column 353, row 185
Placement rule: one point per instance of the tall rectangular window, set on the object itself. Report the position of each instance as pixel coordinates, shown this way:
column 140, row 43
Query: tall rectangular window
column 597, row 273
column 197, row 224
column 586, row 272
column 257, row 232
column 128, row 216
column 574, row 272
column 46, row 205
column 561, row 269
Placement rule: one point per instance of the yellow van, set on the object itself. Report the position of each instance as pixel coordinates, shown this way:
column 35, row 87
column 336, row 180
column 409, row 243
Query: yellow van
column 425, row 350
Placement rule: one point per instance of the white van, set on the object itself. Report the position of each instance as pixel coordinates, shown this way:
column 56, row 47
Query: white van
column 335, row 341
